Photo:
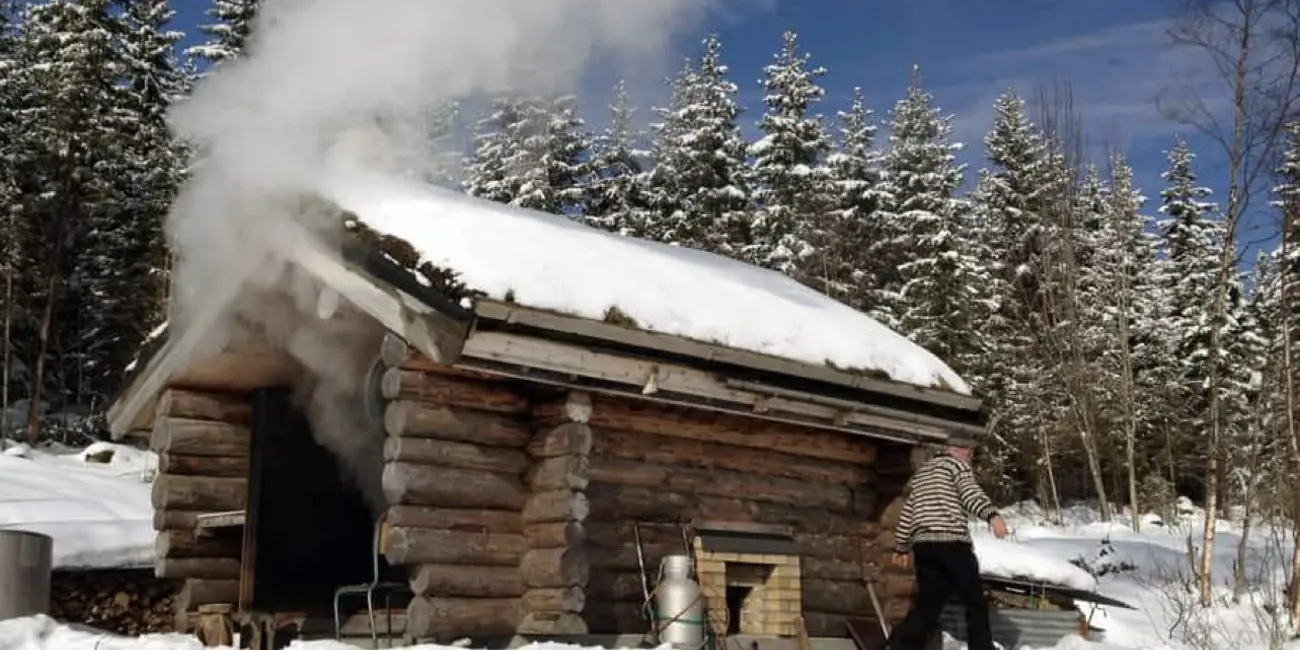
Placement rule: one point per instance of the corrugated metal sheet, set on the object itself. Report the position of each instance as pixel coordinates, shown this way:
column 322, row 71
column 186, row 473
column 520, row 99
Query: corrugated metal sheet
column 1016, row 628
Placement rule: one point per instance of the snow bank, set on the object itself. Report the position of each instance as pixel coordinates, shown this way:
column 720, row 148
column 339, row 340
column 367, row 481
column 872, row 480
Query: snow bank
column 43, row 633
column 549, row 262
column 93, row 502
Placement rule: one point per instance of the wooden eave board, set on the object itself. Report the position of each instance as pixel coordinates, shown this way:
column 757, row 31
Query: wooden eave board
column 511, row 313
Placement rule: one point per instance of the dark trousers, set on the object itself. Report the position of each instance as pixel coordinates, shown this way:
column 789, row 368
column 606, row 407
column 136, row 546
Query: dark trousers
column 944, row 570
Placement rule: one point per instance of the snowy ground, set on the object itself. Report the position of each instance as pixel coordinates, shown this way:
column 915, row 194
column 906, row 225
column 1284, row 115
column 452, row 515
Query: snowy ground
column 99, row 515
column 94, row 502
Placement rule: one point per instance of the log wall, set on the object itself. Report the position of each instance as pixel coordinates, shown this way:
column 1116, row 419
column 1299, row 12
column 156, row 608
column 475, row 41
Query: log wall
column 456, row 481
column 661, row 466
column 512, row 508
column 202, row 441
column 555, row 567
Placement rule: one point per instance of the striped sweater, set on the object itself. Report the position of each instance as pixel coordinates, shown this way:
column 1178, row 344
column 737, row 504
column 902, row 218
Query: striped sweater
column 941, row 497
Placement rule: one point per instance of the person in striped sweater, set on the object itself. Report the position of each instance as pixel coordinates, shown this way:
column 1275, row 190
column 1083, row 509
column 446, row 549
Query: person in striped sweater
column 934, row 528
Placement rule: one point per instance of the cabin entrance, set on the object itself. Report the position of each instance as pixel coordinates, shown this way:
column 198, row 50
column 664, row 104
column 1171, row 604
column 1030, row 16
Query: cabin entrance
column 308, row 529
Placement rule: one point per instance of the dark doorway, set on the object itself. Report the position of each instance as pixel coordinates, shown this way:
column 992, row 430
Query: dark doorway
column 736, row 596
column 309, row 530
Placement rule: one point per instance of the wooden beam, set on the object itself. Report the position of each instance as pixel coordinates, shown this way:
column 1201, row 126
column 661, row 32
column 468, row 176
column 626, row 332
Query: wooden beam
column 513, row 313
column 437, row 335
column 678, row 384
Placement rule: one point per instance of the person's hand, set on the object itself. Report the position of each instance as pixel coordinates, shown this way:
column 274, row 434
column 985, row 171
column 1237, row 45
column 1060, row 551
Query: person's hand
column 999, row 526
column 900, row 560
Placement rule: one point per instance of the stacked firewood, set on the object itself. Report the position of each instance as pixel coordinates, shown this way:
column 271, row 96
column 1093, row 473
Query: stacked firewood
column 128, row 602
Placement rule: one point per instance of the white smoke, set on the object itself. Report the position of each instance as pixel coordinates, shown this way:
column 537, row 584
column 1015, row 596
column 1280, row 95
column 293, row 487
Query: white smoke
column 316, row 79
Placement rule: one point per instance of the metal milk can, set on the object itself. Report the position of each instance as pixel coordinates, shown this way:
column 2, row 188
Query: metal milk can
column 679, row 605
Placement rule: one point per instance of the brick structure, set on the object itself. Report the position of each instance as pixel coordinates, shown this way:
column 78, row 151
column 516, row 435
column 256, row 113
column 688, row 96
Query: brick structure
column 764, row 590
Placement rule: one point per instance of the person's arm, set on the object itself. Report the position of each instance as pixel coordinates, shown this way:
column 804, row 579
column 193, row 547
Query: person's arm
column 973, row 499
column 903, row 531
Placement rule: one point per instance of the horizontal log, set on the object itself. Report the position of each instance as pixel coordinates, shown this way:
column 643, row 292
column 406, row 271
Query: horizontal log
column 459, row 455
column 199, row 437
column 849, row 548
column 554, row 506
column 460, row 519
column 622, row 558
column 214, row 466
column 420, row 420
column 448, row 618
column 619, row 585
column 552, row 624
column 395, row 353
column 833, row 626
column 697, row 424
column 413, row 385
column 186, row 544
column 555, row 599
column 615, row 502
column 176, row 519
column 233, row 408
column 208, row 568
column 559, row 473
column 198, row 493
column 429, row 546
column 418, row 485
column 555, row 567
column 849, row 597
column 820, row 568
column 576, row 406
column 467, row 581
column 565, row 439
column 697, row 481
column 615, row 617
column 558, row 534
column 198, row 592
column 678, row 451
column 358, row 625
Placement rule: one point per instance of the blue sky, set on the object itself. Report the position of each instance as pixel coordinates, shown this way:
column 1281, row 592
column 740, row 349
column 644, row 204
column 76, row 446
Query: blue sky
column 1114, row 52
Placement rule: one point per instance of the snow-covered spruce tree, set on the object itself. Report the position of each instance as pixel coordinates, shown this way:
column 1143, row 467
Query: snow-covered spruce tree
column 533, row 157
column 10, row 94
column 75, row 132
column 228, row 33
column 119, row 268
column 792, row 188
column 924, row 259
column 697, row 188
column 855, row 171
column 1007, row 206
column 1191, row 241
column 1130, row 304
column 1287, row 201
column 615, row 199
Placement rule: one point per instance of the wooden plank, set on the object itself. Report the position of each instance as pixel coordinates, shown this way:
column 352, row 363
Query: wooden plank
column 939, row 395
column 743, row 527
column 208, row 523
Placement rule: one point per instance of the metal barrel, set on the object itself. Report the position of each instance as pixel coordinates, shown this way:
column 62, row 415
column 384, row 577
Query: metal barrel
column 679, row 605
column 26, row 561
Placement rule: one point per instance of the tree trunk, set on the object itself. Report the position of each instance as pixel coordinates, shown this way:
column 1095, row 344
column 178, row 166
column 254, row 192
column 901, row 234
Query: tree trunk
column 1288, row 378
column 10, row 255
column 38, row 377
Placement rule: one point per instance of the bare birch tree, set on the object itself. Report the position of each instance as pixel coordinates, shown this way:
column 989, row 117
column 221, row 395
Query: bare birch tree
column 1254, row 48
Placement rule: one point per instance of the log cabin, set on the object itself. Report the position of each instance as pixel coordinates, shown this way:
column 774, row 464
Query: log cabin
column 532, row 431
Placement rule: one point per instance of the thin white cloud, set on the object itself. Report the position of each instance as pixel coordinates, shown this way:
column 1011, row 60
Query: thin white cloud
column 1117, row 74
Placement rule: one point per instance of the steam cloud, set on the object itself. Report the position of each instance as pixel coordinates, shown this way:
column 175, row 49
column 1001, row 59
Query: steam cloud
column 302, row 105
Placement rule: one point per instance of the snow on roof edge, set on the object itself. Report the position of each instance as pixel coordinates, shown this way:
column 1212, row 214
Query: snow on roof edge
column 549, row 263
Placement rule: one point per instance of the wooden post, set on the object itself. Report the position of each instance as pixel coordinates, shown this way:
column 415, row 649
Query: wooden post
column 555, row 569
column 215, row 626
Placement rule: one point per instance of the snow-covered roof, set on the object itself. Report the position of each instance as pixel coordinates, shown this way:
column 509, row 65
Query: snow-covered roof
column 552, row 263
